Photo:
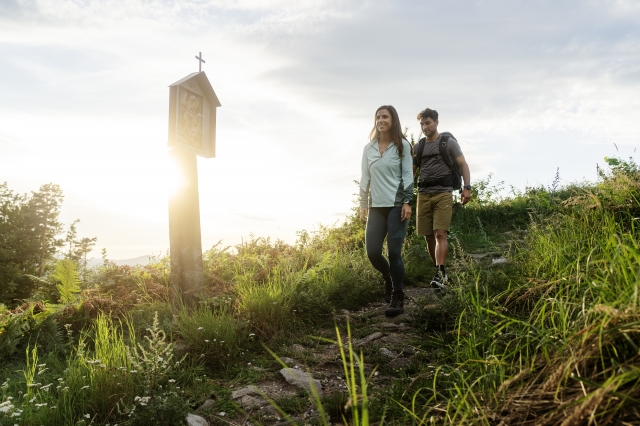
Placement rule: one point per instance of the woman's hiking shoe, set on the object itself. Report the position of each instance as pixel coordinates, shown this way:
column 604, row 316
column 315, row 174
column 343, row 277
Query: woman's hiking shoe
column 388, row 288
column 396, row 306
column 439, row 280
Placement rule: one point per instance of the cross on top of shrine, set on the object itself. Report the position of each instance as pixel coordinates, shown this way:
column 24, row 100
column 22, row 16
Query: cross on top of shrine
column 201, row 61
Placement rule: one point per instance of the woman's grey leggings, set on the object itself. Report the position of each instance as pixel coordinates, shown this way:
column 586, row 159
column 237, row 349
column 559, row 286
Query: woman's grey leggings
column 385, row 222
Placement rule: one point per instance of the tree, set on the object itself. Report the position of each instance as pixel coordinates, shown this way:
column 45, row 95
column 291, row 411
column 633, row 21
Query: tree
column 43, row 211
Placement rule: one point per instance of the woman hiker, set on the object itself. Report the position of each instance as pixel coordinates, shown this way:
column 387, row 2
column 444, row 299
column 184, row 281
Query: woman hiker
column 386, row 190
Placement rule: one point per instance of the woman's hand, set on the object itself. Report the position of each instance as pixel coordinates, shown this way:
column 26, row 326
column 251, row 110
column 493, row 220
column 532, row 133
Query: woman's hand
column 363, row 214
column 406, row 212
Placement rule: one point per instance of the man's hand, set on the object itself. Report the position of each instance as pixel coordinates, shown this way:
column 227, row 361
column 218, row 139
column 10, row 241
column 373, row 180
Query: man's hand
column 465, row 196
column 406, row 212
column 363, row 214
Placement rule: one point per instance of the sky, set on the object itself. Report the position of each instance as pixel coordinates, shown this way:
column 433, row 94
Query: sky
column 527, row 87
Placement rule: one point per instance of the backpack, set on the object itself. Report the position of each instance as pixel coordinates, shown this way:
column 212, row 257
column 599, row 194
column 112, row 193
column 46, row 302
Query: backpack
column 444, row 153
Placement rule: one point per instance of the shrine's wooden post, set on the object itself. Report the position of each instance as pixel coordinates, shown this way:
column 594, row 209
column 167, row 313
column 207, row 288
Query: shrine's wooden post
column 192, row 132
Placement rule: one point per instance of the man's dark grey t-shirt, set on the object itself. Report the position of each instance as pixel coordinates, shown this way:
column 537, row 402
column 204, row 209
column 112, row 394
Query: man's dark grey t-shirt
column 432, row 168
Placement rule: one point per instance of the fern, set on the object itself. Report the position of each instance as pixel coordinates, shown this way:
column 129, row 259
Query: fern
column 69, row 284
column 10, row 335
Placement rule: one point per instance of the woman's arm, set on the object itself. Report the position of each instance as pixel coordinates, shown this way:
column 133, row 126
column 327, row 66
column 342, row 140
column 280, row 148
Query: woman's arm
column 365, row 180
column 407, row 180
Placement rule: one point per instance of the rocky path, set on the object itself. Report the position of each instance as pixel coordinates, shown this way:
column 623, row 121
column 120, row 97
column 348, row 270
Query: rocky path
column 386, row 344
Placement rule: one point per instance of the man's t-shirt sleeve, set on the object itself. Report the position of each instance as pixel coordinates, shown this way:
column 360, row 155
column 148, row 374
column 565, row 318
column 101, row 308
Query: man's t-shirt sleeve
column 454, row 148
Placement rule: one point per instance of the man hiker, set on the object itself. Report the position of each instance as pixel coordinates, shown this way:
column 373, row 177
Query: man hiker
column 440, row 160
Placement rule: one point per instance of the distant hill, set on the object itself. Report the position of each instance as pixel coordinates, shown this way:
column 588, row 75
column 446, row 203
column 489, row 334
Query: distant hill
column 140, row 260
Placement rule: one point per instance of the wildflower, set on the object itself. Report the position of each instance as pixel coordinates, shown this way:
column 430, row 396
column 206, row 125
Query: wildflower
column 65, row 389
column 60, row 379
column 206, row 341
column 87, row 416
column 200, row 328
column 221, row 341
column 133, row 371
column 32, row 399
column 252, row 334
column 16, row 414
column 41, row 405
column 54, row 406
column 160, row 359
column 222, row 413
column 41, row 365
column 172, row 380
column 84, row 387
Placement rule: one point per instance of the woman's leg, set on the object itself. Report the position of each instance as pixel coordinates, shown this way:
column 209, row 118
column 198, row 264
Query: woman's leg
column 374, row 237
column 397, row 230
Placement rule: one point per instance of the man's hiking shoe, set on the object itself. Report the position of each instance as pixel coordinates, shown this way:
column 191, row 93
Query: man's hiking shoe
column 439, row 280
column 388, row 288
column 396, row 307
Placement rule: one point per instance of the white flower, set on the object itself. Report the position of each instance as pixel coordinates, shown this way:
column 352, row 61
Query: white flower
column 87, row 416
column 172, row 380
column 222, row 413
column 84, row 387
column 252, row 334
column 133, row 371
column 200, row 328
column 15, row 415
column 206, row 341
column 32, row 399
column 160, row 359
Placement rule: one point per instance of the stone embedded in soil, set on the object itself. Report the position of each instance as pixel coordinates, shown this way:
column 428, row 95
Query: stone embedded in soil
column 388, row 353
column 393, row 339
column 249, row 402
column 370, row 338
column 207, row 404
column 399, row 363
column 289, row 361
column 194, row 420
column 298, row 349
column 247, row 390
column 390, row 325
column 301, row 379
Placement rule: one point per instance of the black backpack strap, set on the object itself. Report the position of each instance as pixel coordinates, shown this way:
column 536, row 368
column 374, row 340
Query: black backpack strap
column 444, row 152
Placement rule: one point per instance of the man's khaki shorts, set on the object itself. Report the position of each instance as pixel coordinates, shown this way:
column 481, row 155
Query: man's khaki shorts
column 434, row 212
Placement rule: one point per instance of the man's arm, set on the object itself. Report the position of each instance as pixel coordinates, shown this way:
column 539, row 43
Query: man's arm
column 466, row 177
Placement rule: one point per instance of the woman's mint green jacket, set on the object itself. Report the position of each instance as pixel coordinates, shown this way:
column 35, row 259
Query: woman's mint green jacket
column 387, row 179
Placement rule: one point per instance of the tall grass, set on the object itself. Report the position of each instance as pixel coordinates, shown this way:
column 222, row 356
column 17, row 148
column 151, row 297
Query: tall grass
column 560, row 346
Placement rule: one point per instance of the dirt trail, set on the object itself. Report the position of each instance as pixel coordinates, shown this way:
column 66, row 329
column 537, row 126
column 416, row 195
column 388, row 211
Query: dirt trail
column 385, row 342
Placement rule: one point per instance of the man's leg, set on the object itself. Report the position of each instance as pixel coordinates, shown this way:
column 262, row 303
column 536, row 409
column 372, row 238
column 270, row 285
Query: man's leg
column 441, row 247
column 431, row 246
column 442, row 210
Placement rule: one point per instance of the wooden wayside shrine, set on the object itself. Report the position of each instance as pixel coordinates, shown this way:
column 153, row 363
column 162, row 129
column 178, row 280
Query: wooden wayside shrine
column 192, row 132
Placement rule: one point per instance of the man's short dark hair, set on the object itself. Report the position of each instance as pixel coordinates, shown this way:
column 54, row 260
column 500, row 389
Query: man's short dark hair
column 428, row 113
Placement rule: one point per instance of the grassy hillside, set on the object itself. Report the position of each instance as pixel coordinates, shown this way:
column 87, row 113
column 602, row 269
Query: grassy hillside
column 551, row 336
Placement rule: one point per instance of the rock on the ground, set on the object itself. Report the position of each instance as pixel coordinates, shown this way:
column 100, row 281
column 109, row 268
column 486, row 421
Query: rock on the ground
column 289, row 361
column 370, row 338
column 389, row 325
column 207, row 404
column 247, row 390
column 400, row 362
column 195, row 420
column 388, row 353
column 393, row 339
column 249, row 402
column 301, row 379
column 297, row 348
